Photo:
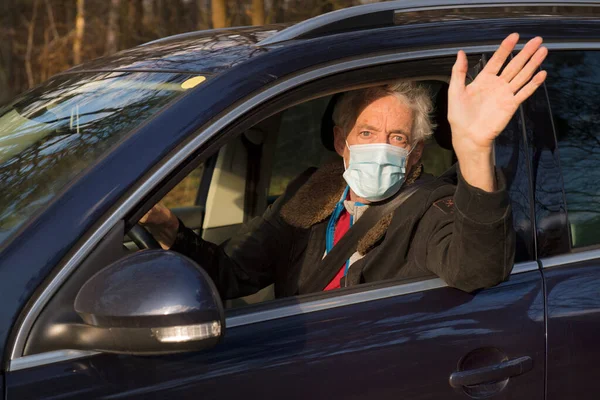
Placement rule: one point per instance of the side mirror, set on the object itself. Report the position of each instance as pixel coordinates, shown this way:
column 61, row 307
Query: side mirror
column 151, row 302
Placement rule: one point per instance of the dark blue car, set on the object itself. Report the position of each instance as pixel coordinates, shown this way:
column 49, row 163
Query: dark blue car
column 216, row 124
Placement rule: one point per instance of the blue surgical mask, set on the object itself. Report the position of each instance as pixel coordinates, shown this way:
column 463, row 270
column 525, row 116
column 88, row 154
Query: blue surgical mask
column 376, row 171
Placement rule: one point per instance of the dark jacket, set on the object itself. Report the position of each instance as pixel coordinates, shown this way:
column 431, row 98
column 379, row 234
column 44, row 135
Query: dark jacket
column 448, row 228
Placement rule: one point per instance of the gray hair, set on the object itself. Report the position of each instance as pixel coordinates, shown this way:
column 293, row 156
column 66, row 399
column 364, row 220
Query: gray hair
column 410, row 93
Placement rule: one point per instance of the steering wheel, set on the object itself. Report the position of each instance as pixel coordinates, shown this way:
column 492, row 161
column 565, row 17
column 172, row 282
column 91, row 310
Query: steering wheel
column 142, row 238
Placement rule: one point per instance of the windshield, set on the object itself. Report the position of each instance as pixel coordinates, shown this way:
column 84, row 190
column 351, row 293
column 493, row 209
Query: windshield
column 52, row 133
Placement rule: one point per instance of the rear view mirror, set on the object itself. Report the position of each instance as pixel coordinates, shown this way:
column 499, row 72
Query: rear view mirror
column 151, row 302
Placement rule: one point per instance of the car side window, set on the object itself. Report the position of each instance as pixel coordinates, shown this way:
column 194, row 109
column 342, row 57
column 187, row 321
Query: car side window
column 298, row 145
column 573, row 85
column 185, row 194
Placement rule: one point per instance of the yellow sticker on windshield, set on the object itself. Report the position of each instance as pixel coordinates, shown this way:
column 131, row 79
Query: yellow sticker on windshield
column 193, row 82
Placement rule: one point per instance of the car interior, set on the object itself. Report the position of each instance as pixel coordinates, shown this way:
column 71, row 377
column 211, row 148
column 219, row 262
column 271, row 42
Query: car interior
column 233, row 185
column 251, row 171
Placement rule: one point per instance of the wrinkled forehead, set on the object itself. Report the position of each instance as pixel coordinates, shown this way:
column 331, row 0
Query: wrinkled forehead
column 386, row 114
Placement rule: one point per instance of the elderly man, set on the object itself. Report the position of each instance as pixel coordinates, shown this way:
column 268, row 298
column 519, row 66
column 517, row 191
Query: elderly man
column 461, row 232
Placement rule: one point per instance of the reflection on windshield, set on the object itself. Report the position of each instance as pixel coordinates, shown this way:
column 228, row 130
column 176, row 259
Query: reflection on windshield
column 52, row 133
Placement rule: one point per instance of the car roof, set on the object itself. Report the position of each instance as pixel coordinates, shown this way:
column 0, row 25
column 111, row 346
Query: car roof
column 401, row 12
column 217, row 50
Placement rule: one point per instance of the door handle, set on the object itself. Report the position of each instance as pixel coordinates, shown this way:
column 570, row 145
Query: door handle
column 492, row 373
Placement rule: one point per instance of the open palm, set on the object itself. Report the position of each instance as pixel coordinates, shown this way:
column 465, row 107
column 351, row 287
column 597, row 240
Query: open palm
column 479, row 111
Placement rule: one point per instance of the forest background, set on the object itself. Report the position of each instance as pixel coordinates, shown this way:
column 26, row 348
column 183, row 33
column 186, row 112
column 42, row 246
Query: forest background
column 39, row 38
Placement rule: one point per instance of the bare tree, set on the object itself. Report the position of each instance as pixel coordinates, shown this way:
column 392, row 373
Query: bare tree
column 30, row 36
column 148, row 14
column 51, row 19
column 66, row 32
column 113, row 26
column 79, row 31
column 6, row 49
column 159, row 18
column 258, row 12
column 276, row 14
column 201, row 15
column 219, row 13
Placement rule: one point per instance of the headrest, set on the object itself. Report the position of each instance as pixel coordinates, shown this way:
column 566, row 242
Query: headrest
column 442, row 133
column 327, row 123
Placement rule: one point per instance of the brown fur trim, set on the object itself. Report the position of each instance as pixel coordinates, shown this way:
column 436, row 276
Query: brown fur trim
column 316, row 199
column 368, row 241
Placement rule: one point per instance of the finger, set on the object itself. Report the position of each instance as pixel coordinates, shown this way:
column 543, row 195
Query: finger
column 144, row 219
column 500, row 56
column 517, row 63
column 530, row 68
column 151, row 215
column 531, row 87
column 459, row 73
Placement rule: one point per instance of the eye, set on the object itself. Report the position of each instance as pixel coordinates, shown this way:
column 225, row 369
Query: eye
column 365, row 134
column 398, row 139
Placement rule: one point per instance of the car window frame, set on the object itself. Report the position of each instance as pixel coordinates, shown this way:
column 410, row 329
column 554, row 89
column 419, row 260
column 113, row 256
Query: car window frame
column 572, row 248
column 202, row 142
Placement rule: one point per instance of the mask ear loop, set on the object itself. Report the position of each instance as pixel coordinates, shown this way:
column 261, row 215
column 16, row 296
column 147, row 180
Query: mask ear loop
column 406, row 159
column 411, row 150
column 343, row 160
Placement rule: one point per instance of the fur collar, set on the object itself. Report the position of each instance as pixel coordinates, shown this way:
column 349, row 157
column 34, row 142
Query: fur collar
column 315, row 201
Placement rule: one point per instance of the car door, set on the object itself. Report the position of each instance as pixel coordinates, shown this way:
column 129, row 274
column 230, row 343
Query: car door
column 387, row 341
column 566, row 155
column 417, row 339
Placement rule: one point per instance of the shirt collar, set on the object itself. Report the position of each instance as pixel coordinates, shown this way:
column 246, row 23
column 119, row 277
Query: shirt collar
column 351, row 206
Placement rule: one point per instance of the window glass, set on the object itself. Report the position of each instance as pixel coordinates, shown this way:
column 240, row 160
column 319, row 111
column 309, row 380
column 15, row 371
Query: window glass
column 574, row 89
column 186, row 191
column 298, row 143
column 49, row 134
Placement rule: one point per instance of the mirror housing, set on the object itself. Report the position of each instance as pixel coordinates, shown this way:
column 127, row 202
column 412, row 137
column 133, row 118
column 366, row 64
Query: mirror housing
column 150, row 302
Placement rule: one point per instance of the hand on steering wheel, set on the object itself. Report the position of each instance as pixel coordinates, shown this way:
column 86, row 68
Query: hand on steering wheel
column 142, row 238
column 157, row 228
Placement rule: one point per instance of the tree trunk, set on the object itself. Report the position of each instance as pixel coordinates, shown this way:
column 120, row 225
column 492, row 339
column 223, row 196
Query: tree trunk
column 51, row 19
column 276, row 15
column 6, row 52
column 79, row 31
column 113, row 27
column 149, row 17
column 159, row 17
column 258, row 12
column 134, row 16
column 201, row 15
column 219, row 13
column 44, row 58
column 29, row 51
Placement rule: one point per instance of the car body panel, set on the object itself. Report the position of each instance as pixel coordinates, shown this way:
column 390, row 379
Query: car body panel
column 371, row 349
column 70, row 215
column 573, row 301
column 572, row 276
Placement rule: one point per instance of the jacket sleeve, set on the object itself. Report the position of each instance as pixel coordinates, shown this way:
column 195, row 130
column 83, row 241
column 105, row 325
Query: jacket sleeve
column 247, row 262
column 468, row 238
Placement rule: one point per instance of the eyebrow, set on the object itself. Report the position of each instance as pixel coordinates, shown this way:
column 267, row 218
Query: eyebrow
column 372, row 128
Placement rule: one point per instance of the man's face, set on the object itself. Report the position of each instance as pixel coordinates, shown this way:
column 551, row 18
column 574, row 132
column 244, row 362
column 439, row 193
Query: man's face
column 385, row 120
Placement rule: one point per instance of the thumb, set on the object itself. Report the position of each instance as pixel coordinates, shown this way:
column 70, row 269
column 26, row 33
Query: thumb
column 459, row 73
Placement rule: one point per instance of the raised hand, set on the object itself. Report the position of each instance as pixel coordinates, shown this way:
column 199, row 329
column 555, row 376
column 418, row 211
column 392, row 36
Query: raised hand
column 480, row 111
